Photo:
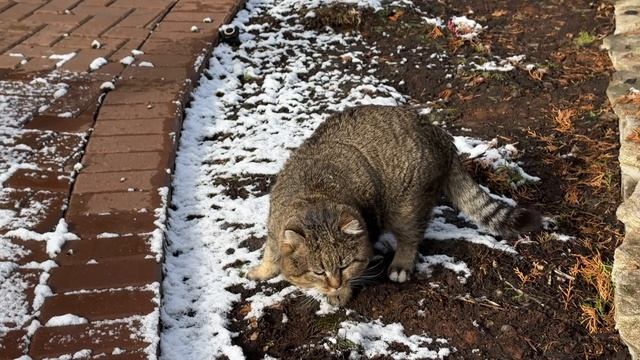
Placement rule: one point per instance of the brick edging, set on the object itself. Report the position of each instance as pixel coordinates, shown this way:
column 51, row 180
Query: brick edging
column 118, row 200
column 624, row 50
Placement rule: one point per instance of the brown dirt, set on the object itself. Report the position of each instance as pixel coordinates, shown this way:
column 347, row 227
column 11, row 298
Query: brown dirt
column 551, row 301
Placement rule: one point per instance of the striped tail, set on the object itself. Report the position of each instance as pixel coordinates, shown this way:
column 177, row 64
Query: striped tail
column 494, row 215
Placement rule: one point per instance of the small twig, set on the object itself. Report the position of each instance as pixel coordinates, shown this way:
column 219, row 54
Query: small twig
column 522, row 293
column 564, row 275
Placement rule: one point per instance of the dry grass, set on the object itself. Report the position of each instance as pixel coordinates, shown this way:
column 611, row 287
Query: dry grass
column 634, row 136
column 572, row 195
column 340, row 16
column 564, row 119
column 436, row 33
column 538, row 73
column 630, row 99
column 597, row 312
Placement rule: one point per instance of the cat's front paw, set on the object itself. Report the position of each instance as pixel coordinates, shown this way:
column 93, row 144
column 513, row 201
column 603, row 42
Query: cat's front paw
column 262, row 272
column 398, row 274
column 339, row 298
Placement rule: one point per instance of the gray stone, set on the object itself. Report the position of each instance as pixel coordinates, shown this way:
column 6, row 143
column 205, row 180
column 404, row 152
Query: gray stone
column 629, row 153
column 627, row 16
column 629, row 213
column 630, row 176
column 624, row 50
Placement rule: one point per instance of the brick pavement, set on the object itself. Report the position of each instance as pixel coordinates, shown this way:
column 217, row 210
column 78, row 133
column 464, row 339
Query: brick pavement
column 100, row 161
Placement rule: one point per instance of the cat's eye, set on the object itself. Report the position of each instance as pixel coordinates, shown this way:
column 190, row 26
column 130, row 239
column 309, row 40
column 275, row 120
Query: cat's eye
column 319, row 273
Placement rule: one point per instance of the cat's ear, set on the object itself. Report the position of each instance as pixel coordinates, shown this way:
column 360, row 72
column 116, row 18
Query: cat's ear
column 350, row 225
column 290, row 242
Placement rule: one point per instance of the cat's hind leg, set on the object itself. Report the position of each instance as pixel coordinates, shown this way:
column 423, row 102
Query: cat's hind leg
column 268, row 268
column 407, row 222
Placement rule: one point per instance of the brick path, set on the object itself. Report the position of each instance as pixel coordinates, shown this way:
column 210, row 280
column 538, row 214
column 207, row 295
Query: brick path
column 115, row 202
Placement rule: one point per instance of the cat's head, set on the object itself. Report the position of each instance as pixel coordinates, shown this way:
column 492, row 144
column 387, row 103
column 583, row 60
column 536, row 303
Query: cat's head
column 325, row 247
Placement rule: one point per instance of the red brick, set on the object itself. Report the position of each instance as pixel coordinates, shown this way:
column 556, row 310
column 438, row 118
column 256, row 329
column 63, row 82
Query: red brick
column 185, row 26
column 142, row 18
column 13, row 344
column 30, row 50
column 163, row 45
column 108, row 275
column 207, row 6
column 138, row 111
column 127, row 161
column 129, row 144
column 122, row 32
column 18, row 12
column 9, row 62
column 136, row 127
column 147, row 180
column 155, row 4
column 47, row 18
column 48, row 36
column 38, row 180
column 10, row 40
column 38, row 64
column 81, row 62
column 162, row 76
column 178, row 36
column 196, row 17
column 91, row 225
column 79, row 123
column 5, row 4
column 125, row 50
column 114, row 202
column 99, row 306
column 100, row 338
column 137, row 92
column 104, row 249
column 57, row 6
column 167, row 60
column 100, row 23
column 42, row 217
column 35, row 251
column 77, row 41
column 60, row 151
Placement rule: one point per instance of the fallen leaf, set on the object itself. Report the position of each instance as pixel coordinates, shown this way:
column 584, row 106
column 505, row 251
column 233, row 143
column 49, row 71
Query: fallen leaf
column 499, row 13
column 397, row 14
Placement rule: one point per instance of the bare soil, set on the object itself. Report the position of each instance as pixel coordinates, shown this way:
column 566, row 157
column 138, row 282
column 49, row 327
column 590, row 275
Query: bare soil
column 553, row 300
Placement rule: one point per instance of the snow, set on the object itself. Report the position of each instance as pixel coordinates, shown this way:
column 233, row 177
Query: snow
column 66, row 320
column 289, row 96
column 157, row 236
column 107, row 85
column 493, row 66
column 375, row 339
column 145, row 64
column 127, row 60
column 96, row 44
column 465, row 28
column 97, row 63
column 67, row 114
column 426, row 263
column 62, row 57
column 13, row 299
column 54, row 239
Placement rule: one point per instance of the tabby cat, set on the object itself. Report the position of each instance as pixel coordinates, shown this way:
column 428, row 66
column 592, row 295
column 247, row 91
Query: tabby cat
column 365, row 170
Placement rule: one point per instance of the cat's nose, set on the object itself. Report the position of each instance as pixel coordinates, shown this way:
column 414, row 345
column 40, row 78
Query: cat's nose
column 334, row 281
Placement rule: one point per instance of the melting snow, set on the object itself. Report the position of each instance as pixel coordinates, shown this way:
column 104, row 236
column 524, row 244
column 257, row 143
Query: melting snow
column 376, row 338
column 65, row 320
column 289, row 97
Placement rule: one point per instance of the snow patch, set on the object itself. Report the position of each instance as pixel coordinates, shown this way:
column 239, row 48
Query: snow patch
column 375, row 339
column 66, row 320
